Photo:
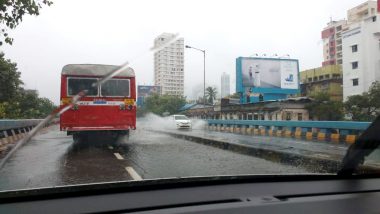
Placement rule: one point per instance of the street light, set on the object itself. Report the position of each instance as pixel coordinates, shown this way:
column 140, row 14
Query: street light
column 204, row 73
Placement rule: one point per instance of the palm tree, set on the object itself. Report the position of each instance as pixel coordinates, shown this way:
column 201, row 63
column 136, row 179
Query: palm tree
column 210, row 94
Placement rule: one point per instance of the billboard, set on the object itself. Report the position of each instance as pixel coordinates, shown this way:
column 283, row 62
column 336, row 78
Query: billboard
column 269, row 73
column 147, row 90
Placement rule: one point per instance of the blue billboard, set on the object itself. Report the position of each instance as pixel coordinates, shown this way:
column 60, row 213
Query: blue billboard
column 145, row 91
column 261, row 79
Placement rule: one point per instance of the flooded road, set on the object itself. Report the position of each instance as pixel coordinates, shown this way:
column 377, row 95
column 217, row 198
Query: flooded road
column 52, row 159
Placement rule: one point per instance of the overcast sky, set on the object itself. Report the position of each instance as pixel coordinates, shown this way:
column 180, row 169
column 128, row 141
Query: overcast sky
column 112, row 32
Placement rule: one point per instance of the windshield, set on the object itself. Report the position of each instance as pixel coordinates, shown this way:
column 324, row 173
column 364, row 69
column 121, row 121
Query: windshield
column 89, row 90
column 180, row 117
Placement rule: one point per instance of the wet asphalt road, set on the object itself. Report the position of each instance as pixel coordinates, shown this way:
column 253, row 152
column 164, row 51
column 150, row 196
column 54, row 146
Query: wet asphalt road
column 52, row 159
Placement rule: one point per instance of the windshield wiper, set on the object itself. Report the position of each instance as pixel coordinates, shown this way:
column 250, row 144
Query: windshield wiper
column 363, row 146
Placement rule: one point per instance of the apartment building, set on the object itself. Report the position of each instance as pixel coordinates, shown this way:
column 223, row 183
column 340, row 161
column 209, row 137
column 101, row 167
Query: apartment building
column 169, row 65
column 326, row 79
column 361, row 49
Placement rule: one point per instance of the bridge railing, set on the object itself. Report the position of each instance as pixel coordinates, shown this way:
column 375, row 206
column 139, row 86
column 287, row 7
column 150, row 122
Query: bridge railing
column 13, row 130
column 337, row 131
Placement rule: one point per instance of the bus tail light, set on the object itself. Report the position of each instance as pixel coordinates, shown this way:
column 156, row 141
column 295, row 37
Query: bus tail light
column 65, row 101
column 129, row 102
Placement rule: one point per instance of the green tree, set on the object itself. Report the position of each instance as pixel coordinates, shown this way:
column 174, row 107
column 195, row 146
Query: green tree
column 166, row 103
column 10, row 82
column 364, row 107
column 12, row 12
column 16, row 102
column 234, row 96
column 322, row 108
column 45, row 106
column 210, row 94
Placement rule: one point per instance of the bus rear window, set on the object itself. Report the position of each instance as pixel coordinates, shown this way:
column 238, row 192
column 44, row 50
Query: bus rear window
column 76, row 85
column 116, row 88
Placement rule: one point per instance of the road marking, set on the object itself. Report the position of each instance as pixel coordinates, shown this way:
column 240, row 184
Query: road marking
column 133, row 173
column 110, row 147
column 118, row 156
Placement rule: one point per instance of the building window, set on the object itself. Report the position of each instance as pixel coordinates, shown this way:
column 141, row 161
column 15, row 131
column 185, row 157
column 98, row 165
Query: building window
column 310, row 79
column 249, row 116
column 299, row 116
column 288, row 116
column 355, row 82
column 262, row 117
column 354, row 48
column 355, row 65
column 320, row 77
column 327, row 76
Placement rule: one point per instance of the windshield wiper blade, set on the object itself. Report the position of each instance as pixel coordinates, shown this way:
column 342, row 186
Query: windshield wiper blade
column 363, row 146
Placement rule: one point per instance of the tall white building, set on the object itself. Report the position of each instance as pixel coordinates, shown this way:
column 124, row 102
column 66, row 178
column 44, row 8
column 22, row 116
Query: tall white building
column 169, row 65
column 361, row 49
column 225, row 85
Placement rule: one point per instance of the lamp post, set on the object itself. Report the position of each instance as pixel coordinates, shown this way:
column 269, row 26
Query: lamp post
column 204, row 73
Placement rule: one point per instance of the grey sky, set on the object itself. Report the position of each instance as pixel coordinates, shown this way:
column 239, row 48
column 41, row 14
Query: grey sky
column 112, row 32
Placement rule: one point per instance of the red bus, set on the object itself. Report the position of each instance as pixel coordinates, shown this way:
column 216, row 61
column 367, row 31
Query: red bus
column 108, row 108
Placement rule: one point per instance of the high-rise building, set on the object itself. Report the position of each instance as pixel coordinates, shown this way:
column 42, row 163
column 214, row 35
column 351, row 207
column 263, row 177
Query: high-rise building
column 332, row 42
column 361, row 52
column 169, row 65
column 225, row 85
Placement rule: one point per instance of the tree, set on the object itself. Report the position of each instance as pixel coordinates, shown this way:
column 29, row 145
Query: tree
column 210, row 94
column 12, row 12
column 325, row 109
column 364, row 107
column 16, row 102
column 234, row 96
column 166, row 103
column 10, row 82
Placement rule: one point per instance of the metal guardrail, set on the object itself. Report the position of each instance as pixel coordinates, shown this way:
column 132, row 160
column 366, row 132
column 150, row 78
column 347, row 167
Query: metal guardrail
column 12, row 131
column 15, row 124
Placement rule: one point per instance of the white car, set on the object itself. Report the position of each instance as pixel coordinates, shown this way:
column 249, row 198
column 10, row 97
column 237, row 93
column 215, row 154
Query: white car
column 182, row 122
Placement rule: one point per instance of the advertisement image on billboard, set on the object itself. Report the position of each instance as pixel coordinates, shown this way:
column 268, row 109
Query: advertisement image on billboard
column 269, row 73
column 147, row 90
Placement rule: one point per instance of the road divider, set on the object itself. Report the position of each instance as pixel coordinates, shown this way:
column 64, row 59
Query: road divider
column 332, row 131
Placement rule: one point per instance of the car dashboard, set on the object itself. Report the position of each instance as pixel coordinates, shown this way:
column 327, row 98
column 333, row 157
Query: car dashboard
column 226, row 194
